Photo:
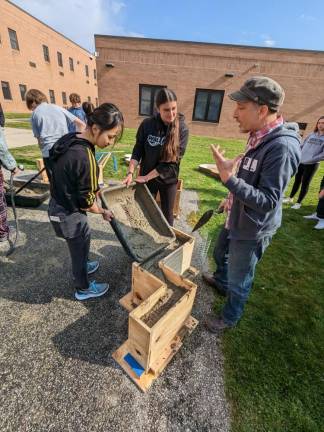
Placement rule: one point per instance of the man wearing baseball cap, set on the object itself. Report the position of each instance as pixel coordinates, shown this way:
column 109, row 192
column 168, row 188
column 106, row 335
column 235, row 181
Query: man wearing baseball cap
column 256, row 182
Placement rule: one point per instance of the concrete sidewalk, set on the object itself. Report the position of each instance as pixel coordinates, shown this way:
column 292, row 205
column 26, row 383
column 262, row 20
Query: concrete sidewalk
column 56, row 369
column 19, row 137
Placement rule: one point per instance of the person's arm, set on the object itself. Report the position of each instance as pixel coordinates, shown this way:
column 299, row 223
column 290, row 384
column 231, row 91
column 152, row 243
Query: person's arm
column 85, row 170
column 275, row 174
column 6, row 158
column 137, row 154
column 150, row 176
column 79, row 125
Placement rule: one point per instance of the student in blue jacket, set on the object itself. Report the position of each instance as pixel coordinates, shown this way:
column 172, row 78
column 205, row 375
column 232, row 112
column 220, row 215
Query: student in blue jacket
column 256, row 182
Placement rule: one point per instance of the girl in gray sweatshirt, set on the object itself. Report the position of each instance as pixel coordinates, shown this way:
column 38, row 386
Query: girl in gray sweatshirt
column 311, row 155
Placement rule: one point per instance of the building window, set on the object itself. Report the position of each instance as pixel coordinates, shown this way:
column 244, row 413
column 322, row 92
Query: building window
column 147, row 95
column 97, row 103
column 208, row 105
column 46, row 53
column 13, row 39
column 6, row 90
column 23, row 90
column 71, row 64
column 59, row 59
column 32, row 64
column 64, row 99
column 86, row 68
column 52, row 96
column 94, row 74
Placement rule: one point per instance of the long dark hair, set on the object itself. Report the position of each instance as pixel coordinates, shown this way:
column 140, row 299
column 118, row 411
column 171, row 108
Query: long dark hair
column 316, row 127
column 170, row 150
column 106, row 117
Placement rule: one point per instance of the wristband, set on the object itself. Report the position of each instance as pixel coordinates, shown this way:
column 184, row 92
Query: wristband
column 128, row 172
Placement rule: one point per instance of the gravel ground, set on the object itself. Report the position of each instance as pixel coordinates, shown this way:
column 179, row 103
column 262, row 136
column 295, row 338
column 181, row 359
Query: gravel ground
column 56, row 369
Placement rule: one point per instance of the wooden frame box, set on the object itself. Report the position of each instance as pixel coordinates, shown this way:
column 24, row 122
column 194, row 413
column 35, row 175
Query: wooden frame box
column 148, row 344
column 179, row 261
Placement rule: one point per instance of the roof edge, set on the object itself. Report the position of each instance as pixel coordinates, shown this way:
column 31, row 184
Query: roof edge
column 209, row 43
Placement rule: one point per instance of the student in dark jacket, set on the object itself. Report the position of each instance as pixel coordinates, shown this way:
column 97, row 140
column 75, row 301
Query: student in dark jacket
column 74, row 188
column 256, row 182
column 161, row 142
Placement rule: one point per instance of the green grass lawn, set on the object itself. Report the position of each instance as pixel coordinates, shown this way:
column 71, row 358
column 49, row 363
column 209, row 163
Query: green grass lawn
column 274, row 357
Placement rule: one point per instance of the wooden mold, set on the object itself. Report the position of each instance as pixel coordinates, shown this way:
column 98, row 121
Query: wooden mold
column 156, row 328
column 144, row 284
column 179, row 261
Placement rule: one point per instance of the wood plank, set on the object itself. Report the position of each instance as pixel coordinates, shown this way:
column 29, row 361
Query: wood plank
column 144, row 283
column 209, row 169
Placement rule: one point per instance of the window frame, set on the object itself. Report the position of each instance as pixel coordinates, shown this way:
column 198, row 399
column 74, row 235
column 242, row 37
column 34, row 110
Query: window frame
column 210, row 92
column 51, row 96
column 59, row 59
column 23, row 96
column 46, row 53
column 13, row 40
column 71, row 64
column 151, row 86
column 64, row 98
column 86, row 70
column 7, row 88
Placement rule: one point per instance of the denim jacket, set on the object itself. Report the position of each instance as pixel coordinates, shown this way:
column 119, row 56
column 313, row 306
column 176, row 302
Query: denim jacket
column 260, row 183
column 6, row 158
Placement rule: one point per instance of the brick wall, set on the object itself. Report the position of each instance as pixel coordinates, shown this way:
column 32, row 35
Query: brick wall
column 186, row 66
column 15, row 64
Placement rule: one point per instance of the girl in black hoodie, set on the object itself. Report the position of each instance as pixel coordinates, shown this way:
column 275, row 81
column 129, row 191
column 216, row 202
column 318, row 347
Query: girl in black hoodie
column 161, row 142
column 74, row 187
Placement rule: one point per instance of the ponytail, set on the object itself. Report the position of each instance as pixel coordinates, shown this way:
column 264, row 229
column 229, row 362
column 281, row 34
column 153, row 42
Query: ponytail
column 106, row 117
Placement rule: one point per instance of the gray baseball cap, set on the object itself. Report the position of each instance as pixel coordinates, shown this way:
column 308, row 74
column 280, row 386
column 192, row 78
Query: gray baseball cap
column 261, row 90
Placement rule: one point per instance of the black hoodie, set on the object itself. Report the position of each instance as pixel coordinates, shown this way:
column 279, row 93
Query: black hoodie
column 75, row 173
column 150, row 139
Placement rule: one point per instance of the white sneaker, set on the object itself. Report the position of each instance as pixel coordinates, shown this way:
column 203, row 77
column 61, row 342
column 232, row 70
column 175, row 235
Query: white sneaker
column 312, row 216
column 287, row 200
column 320, row 224
column 296, row 206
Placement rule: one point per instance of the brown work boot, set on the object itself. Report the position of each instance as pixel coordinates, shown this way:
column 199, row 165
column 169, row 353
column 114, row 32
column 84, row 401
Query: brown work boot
column 216, row 324
column 210, row 280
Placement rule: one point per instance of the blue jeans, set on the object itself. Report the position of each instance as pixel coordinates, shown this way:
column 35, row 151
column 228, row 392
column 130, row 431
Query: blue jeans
column 236, row 261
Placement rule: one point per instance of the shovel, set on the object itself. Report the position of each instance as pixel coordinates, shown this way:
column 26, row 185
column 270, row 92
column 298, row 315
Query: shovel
column 206, row 216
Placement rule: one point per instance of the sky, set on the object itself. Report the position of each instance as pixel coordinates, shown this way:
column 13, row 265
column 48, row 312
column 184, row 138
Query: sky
column 276, row 23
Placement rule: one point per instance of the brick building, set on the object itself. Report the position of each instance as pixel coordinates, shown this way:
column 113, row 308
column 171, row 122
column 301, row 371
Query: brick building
column 202, row 74
column 33, row 55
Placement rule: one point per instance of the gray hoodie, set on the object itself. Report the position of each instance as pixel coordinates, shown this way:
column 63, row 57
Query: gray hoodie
column 312, row 149
column 260, row 183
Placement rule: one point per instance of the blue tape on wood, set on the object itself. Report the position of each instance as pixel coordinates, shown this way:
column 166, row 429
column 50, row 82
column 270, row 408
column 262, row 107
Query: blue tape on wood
column 136, row 367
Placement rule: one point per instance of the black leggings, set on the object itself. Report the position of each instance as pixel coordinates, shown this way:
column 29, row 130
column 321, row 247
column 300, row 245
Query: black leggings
column 320, row 205
column 167, row 195
column 303, row 177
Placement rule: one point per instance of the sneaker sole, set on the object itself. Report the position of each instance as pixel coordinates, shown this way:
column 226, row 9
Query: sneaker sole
column 90, row 295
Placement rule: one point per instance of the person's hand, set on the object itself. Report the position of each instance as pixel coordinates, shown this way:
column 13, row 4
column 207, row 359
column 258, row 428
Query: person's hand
column 16, row 171
column 128, row 179
column 141, row 179
column 108, row 215
column 321, row 194
column 226, row 167
column 223, row 206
